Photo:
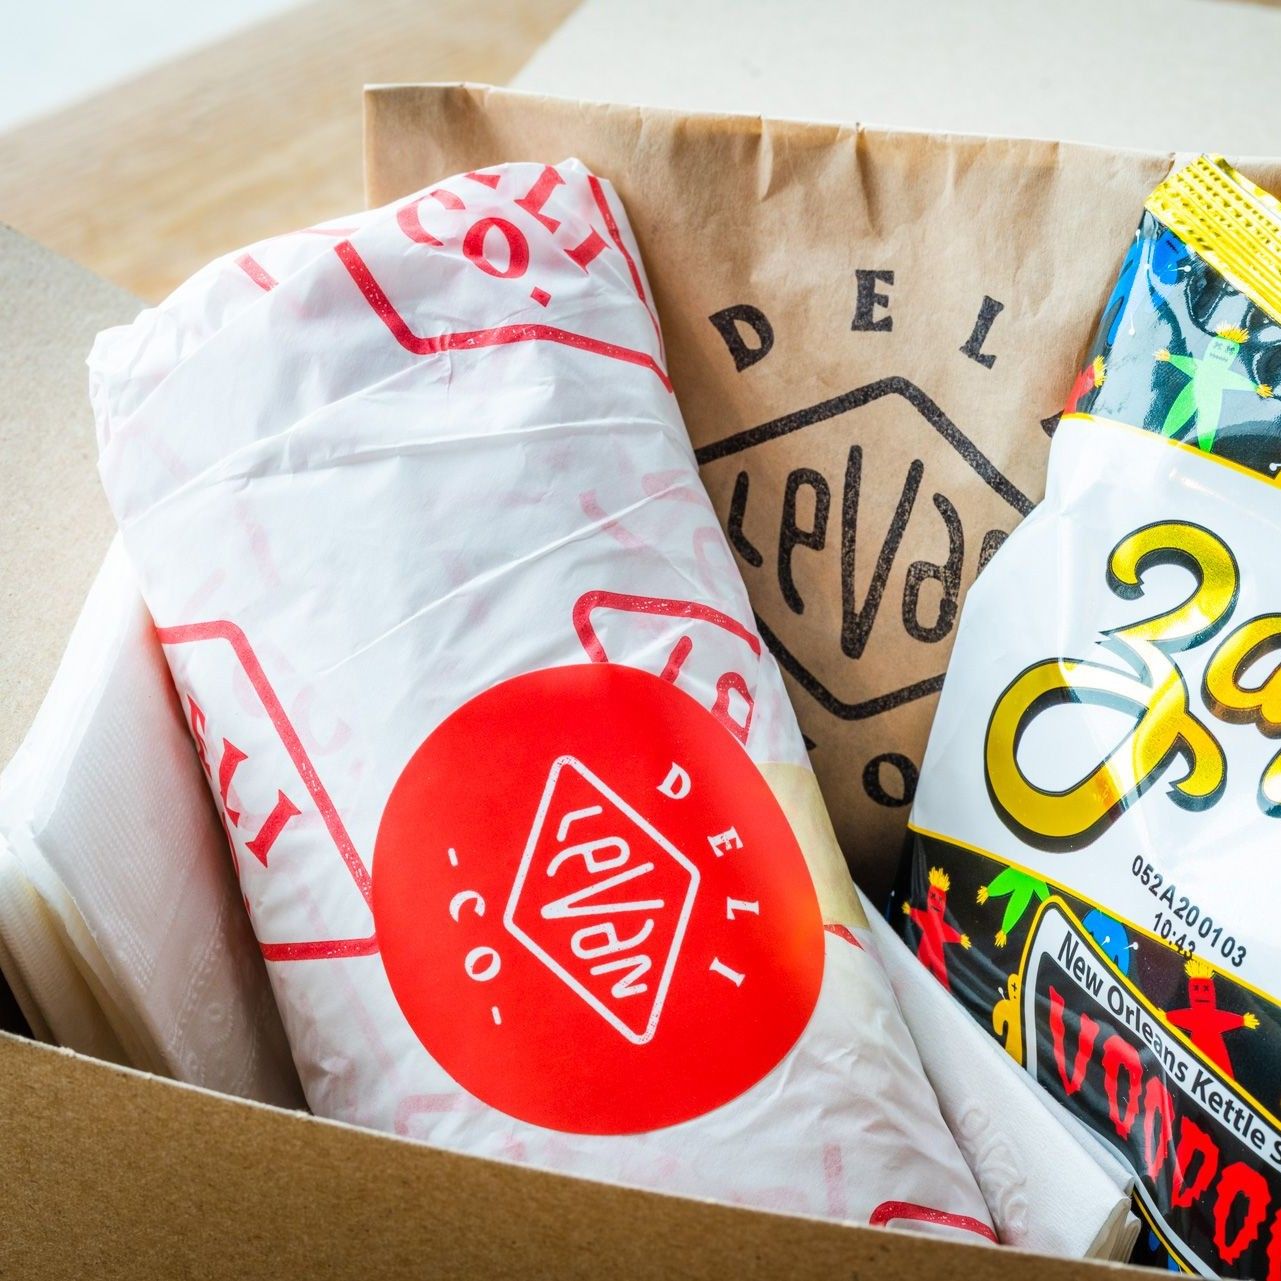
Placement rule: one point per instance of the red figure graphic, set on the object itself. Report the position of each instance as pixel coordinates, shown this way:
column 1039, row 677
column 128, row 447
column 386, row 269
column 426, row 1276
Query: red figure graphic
column 1203, row 1021
column 936, row 933
column 1086, row 381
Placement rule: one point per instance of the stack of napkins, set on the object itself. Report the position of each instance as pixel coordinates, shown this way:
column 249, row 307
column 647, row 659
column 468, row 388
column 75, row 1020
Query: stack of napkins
column 121, row 930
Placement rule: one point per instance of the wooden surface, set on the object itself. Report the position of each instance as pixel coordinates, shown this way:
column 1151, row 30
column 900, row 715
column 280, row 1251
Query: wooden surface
column 250, row 137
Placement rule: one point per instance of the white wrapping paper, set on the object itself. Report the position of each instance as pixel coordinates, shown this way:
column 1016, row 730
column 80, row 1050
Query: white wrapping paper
column 477, row 687
column 1049, row 1184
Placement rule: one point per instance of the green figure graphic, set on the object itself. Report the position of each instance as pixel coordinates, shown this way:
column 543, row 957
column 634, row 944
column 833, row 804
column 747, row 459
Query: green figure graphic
column 1020, row 886
column 1208, row 379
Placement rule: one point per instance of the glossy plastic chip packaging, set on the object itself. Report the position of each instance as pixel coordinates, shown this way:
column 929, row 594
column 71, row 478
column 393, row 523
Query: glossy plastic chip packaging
column 1092, row 855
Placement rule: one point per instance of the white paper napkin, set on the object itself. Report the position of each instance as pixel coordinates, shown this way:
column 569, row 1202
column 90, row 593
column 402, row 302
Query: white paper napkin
column 121, row 930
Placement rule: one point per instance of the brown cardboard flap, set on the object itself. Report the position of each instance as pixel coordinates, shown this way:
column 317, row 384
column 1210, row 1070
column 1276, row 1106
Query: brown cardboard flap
column 54, row 522
column 870, row 333
column 106, row 1170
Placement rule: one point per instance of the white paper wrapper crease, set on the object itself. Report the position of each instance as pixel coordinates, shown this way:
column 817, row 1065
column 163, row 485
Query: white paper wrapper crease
column 520, row 811
column 1051, row 1187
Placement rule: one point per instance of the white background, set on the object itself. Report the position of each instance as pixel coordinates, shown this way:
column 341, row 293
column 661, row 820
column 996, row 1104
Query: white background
column 55, row 51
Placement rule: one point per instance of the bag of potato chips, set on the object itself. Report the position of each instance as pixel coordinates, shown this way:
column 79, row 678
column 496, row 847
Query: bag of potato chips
column 1092, row 855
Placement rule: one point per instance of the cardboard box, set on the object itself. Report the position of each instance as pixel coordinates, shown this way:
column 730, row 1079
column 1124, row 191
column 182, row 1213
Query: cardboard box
column 110, row 1170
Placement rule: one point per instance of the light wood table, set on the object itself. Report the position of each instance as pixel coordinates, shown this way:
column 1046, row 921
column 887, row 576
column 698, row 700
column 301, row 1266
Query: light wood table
column 246, row 138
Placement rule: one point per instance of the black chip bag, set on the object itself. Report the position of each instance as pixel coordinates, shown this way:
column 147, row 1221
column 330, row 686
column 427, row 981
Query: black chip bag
column 1094, row 842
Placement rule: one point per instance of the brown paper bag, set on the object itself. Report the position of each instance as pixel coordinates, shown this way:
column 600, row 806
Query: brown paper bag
column 870, row 334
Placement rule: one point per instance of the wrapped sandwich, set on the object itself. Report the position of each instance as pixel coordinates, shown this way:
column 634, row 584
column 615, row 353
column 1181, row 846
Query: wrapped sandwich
column 519, row 809
column 1091, row 856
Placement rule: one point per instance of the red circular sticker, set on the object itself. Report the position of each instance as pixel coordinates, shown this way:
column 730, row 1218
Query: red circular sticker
column 591, row 908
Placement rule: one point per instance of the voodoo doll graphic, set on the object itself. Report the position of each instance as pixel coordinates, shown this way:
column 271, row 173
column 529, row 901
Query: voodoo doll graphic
column 1088, row 380
column 1005, row 1018
column 1202, row 1019
column 1111, row 937
column 1020, row 886
column 936, row 933
column 1208, row 379
column 1167, row 254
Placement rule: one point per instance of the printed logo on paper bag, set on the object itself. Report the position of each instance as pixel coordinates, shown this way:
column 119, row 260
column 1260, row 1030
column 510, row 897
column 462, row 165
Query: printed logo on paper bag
column 590, row 906
column 859, row 522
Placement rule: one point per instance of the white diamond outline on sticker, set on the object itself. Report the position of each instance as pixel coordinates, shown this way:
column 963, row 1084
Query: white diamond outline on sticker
column 555, row 966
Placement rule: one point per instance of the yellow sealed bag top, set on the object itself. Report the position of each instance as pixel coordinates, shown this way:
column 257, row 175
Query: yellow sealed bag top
column 1092, row 863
